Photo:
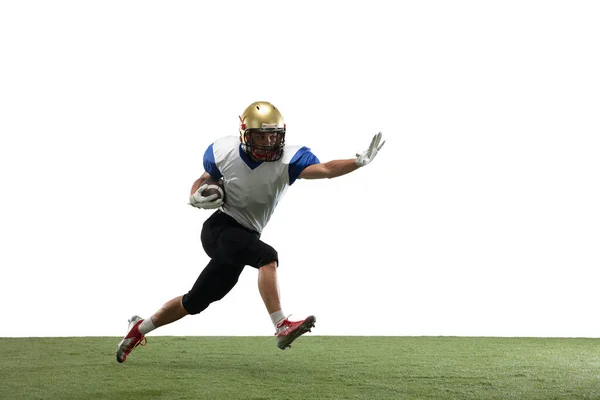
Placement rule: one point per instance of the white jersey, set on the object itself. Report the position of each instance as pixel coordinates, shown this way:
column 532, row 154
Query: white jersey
column 253, row 189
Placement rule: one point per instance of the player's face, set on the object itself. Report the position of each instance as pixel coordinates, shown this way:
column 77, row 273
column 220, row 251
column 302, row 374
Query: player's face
column 263, row 144
column 265, row 139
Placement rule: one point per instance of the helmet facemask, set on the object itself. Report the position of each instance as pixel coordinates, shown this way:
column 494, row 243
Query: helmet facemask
column 264, row 149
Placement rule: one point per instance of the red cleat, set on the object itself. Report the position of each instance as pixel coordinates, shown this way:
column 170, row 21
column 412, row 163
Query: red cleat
column 288, row 331
column 133, row 339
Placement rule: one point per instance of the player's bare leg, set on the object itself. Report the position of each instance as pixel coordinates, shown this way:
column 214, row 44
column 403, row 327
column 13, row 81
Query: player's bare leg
column 268, row 287
column 170, row 312
column 286, row 331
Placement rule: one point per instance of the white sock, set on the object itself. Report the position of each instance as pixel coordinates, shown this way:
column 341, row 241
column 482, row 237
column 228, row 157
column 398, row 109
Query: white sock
column 146, row 326
column 277, row 317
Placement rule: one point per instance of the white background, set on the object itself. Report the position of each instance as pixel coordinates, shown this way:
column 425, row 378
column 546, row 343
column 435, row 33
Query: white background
column 480, row 216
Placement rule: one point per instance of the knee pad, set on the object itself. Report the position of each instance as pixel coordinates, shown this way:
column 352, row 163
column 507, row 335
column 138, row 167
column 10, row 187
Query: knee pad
column 193, row 306
column 267, row 255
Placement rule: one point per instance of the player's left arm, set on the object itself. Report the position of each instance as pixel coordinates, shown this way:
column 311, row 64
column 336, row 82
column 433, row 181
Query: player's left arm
column 330, row 169
column 335, row 168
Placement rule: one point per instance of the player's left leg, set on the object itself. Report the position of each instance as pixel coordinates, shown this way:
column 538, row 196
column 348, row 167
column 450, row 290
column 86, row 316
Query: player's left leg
column 268, row 286
column 230, row 243
column 286, row 331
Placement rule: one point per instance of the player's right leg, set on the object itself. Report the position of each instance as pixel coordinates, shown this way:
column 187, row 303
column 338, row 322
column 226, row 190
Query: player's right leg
column 133, row 339
column 215, row 281
column 171, row 311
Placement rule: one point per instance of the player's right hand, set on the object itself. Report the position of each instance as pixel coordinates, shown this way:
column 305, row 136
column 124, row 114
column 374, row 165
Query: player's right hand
column 208, row 203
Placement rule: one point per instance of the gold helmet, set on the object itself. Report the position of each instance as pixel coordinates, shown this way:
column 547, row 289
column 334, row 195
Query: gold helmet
column 262, row 118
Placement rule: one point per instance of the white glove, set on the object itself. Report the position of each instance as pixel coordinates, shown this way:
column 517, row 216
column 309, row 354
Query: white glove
column 199, row 201
column 368, row 155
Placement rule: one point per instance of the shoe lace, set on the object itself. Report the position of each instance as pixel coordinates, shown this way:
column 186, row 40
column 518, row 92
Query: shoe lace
column 284, row 322
column 135, row 343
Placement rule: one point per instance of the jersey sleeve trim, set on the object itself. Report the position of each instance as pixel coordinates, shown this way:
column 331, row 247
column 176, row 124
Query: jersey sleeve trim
column 210, row 165
column 302, row 159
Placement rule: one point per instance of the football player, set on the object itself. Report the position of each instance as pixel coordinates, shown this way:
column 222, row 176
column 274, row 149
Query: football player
column 256, row 168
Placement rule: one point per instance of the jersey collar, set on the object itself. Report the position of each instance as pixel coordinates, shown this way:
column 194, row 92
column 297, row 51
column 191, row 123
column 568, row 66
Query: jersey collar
column 251, row 164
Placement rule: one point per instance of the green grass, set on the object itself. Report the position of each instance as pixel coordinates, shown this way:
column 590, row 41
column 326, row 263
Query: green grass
column 317, row 367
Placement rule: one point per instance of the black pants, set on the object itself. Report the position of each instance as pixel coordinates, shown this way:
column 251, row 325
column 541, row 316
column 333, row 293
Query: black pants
column 231, row 247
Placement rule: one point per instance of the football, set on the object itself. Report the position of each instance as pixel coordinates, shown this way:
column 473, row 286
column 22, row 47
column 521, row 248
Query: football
column 214, row 187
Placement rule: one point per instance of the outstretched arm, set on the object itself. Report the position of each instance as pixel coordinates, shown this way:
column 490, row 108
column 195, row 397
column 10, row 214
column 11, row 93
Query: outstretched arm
column 329, row 169
column 337, row 168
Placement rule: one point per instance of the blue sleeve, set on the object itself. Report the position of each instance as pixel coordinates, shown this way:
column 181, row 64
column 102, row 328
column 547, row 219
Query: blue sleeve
column 210, row 165
column 302, row 159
